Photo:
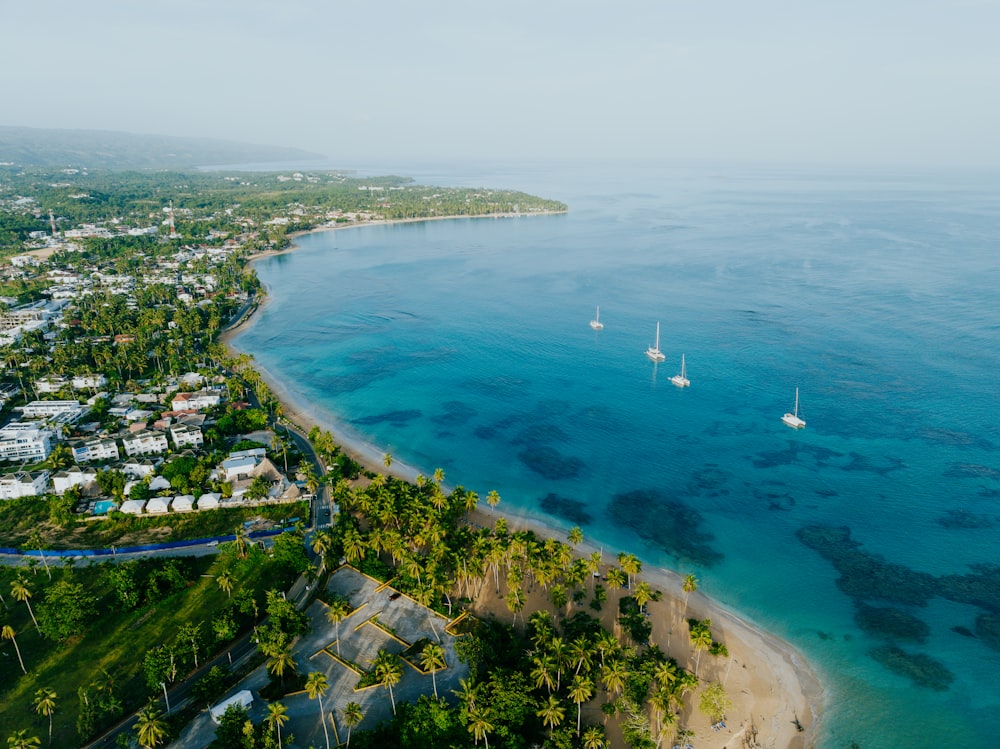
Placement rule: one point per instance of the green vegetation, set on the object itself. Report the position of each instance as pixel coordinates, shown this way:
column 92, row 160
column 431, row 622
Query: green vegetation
column 26, row 523
column 527, row 685
column 93, row 620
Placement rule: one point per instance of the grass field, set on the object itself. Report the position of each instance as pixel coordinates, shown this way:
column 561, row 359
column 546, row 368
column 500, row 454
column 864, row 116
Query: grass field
column 114, row 643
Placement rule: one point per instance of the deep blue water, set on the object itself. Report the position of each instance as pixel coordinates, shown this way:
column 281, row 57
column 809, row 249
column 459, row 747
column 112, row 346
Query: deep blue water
column 465, row 345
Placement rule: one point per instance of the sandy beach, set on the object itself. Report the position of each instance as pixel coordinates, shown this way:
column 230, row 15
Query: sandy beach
column 777, row 699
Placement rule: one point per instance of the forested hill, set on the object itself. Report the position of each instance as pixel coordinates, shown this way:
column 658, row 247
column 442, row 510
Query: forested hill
column 104, row 149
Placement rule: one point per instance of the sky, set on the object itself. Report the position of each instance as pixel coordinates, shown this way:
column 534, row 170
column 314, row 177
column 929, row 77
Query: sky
column 893, row 82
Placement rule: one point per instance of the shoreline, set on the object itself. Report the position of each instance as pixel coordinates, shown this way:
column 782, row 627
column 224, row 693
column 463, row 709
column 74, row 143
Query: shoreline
column 780, row 694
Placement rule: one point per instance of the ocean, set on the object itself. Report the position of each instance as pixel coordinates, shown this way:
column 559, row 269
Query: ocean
column 867, row 539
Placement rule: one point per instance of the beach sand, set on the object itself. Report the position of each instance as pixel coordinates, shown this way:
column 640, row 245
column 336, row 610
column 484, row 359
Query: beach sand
column 777, row 699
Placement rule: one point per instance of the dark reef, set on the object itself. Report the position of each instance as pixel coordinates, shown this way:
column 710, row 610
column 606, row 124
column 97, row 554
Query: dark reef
column 921, row 669
column 665, row 523
column 550, row 463
column 572, row 510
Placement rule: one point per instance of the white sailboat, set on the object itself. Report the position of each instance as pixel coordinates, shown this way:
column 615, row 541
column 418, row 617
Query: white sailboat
column 653, row 352
column 793, row 419
column 681, row 380
column 596, row 323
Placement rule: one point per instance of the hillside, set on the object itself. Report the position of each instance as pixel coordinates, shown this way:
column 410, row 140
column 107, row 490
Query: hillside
column 104, row 149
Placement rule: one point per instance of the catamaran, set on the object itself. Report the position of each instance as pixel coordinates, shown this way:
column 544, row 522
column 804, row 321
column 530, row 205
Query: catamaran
column 793, row 419
column 681, row 380
column 653, row 352
column 596, row 323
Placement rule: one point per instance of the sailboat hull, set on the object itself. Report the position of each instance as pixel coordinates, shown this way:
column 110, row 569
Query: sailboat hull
column 793, row 421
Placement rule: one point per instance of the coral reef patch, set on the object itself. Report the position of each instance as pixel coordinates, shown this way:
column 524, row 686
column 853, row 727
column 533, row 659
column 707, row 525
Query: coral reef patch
column 665, row 523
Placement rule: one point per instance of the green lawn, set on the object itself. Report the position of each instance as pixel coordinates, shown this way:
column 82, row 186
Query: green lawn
column 113, row 644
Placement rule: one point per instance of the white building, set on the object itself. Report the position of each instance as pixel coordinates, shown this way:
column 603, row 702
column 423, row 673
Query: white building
column 183, row 503
column 23, row 484
column 45, row 409
column 49, row 385
column 133, row 506
column 138, row 468
column 158, row 505
column 243, row 699
column 25, row 441
column 64, row 480
column 158, row 483
column 145, row 443
column 209, row 501
column 96, row 449
column 235, row 468
column 197, row 401
column 186, row 436
column 89, row 382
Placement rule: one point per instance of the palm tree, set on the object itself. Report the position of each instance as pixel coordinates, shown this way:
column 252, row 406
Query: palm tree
column 552, row 713
column 281, row 662
column 389, row 672
column 581, row 690
column 354, row 545
column 613, row 675
column 690, row 586
column 353, row 715
column 542, row 673
column 643, row 594
column 8, row 634
column 661, row 701
column 630, row 564
column 479, row 726
column 607, row 645
column 316, row 686
column 515, row 600
column 322, row 541
column 20, row 590
column 593, row 738
column 594, row 567
column 45, row 704
column 575, row 536
column 150, row 728
column 581, row 653
column 35, row 542
column 21, row 740
column 241, row 542
column 277, row 716
column 432, row 659
column 493, row 499
column 387, row 460
column 226, row 581
column 469, row 501
column 338, row 610
column 701, row 639
column 616, row 579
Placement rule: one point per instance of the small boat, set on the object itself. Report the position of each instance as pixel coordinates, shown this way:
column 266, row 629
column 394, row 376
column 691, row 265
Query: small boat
column 596, row 323
column 793, row 419
column 681, row 380
column 653, row 352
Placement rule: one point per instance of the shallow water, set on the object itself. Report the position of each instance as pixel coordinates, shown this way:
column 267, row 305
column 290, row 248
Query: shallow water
column 465, row 345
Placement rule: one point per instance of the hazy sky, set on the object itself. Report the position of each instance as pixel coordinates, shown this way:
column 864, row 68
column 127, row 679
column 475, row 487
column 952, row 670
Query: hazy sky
column 801, row 81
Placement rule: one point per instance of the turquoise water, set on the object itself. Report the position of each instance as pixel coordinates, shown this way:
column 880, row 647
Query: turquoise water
column 465, row 345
